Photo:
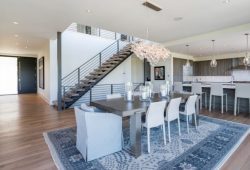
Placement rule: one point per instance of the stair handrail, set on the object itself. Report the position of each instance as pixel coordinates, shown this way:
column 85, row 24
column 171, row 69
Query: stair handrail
column 116, row 41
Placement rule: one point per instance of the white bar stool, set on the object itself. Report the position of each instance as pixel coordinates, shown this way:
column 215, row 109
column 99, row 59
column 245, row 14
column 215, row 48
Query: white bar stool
column 217, row 90
column 241, row 91
column 197, row 89
column 178, row 87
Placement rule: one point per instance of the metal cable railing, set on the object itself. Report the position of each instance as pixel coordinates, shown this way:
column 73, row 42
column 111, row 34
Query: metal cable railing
column 99, row 92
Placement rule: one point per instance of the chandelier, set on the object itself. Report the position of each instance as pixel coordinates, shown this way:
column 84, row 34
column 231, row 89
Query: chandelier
column 187, row 63
column 213, row 62
column 246, row 60
column 154, row 53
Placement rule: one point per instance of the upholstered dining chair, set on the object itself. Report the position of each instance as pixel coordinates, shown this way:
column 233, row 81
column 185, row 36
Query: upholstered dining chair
column 97, row 134
column 155, row 118
column 113, row 96
column 190, row 110
column 172, row 113
column 242, row 90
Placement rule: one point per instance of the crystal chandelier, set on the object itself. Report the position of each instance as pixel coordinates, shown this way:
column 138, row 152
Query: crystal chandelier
column 213, row 62
column 154, row 53
column 246, row 60
column 187, row 63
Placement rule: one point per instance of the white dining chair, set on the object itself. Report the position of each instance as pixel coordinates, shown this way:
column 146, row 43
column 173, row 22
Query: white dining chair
column 197, row 89
column 190, row 110
column 172, row 113
column 97, row 134
column 241, row 91
column 217, row 90
column 155, row 118
column 178, row 87
column 113, row 96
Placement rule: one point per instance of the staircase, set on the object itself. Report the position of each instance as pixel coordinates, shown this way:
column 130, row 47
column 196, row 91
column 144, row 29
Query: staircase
column 84, row 78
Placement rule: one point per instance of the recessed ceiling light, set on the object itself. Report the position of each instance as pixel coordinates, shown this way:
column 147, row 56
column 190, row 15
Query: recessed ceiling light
column 88, row 10
column 178, row 18
column 16, row 35
column 226, row 1
column 15, row 23
column 26, row 46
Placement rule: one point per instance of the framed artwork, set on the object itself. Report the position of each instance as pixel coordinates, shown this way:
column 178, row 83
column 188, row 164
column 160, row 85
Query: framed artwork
column 159, row 73
column 41, row 72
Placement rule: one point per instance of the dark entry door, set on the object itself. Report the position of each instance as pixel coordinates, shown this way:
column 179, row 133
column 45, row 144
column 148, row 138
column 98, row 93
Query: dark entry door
column 27, row 78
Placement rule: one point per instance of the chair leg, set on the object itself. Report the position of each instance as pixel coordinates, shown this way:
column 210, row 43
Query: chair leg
column 235, row 105
column 200, row 101
column 214, row 103
column 179, row 126
column 169, row 138
column 226, row 104
column 164, row 133
column 222, row 104
column 238, row 106
column 187, row 124
column 210, row 103
column 148, row 134
column 195, row 121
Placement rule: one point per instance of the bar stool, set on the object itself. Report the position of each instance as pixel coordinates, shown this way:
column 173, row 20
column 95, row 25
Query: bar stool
column 241, row 91
column 178, row 87
column 197, row 89
column 217, row 90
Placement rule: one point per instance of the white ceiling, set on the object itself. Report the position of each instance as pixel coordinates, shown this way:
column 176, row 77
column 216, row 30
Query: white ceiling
column 39, row 20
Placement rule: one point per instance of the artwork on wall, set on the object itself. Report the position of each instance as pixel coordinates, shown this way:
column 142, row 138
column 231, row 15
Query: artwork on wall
column 159, row 73
column 41, row 72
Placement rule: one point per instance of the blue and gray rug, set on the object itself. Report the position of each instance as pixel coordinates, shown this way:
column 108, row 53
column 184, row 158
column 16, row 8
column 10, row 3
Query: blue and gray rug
column 205, row 148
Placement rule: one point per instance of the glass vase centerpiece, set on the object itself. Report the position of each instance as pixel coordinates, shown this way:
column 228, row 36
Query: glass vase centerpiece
column 129, row 91
column 149, row 88
column 144, row 93
column 165, row 89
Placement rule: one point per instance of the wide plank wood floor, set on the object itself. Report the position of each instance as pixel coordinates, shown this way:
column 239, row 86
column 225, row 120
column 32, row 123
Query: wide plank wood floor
column 24, row 118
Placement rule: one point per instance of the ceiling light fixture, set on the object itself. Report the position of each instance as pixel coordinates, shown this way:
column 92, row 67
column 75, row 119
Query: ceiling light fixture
column 226, row 1
column 15, row 23
column 246, row 60
column 187, row 63
column 153, row 52
column 16, row 35
column 178, row 18
column 88, row 11
column 213, row 62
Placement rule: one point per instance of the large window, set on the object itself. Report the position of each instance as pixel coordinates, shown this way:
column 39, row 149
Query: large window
column 8, row 75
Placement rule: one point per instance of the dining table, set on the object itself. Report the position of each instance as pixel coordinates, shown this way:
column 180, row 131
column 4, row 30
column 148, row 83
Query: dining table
column 134, row 110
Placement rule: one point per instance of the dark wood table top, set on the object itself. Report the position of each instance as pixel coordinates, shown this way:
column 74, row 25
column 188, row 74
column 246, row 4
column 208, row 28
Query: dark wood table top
column 125, row 108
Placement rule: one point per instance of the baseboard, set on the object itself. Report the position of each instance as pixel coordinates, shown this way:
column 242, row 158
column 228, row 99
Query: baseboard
column 44, row 98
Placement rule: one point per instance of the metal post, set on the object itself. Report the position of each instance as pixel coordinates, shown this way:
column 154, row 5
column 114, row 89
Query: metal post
column 115, row 35
column 78, row 75
column 59, row 71
column 99, row 32
column 100, row 59
column 111, row 88
column 90, row 94
column 118, row 46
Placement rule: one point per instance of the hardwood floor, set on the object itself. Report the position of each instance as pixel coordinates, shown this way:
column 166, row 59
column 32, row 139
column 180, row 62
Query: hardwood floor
column 23, row 119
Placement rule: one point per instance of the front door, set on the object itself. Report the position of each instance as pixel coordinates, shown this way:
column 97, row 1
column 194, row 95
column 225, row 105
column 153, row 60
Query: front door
column 27, row 78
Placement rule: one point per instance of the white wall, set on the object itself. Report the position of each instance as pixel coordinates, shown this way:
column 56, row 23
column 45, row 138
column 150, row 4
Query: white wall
column 44, row 52
column 137, row 70
column 77, row 48
column 168, row 74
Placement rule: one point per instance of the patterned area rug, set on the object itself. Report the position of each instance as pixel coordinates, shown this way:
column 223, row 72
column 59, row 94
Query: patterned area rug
column 205, row 148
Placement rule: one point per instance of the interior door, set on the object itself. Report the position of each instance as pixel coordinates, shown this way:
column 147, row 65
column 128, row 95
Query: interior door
column 27, row 75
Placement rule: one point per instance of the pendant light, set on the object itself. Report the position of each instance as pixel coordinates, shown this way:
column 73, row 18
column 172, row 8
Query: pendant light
column 213, row 62
column 187, row 63
column 246, row 60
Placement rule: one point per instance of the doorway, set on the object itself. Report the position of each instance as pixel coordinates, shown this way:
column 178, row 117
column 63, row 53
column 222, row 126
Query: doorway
column 8, row 75
column 18, row 75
